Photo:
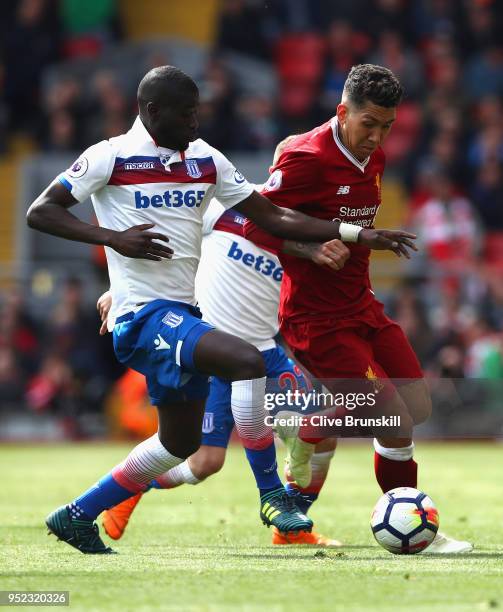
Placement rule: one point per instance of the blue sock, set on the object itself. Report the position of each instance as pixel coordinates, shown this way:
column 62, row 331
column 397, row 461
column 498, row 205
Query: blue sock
column 106, row 493
column 265, row 468
column 303, row 500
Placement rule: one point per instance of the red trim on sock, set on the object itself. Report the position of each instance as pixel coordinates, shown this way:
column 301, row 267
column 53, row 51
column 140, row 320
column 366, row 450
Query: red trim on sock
column 125, row 482
column 257, row 444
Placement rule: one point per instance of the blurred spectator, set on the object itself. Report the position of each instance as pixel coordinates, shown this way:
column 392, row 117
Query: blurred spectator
column 487, row 194
column 12, row 379
column 391, row 15
column 241, row 28
column 430, row 17
column 255, row 113
column 482, row 23
column 484, row 73
column 448, row 230
column 29, row 44
column 404, row 62
column 62, row 134
column 111, row 113
column 411, row 315
column 217, row 110
column 18, row 331
column 447, row 223
column 444, row 156
column 87, row 31
column 51, row 386
column 487, row 146
column 345, row 48
column 73, row 330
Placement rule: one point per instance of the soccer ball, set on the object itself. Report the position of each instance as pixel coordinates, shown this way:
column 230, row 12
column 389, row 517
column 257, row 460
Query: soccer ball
column 404, row 521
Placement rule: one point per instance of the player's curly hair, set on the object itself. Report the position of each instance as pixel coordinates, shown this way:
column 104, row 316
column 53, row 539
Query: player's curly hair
column 376, row 84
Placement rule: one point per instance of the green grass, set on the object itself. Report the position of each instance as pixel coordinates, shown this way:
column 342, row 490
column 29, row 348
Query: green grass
column 203, row 548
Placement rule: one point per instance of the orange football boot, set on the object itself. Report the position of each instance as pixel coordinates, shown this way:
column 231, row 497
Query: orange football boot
column 303, row 537
column 115, row 519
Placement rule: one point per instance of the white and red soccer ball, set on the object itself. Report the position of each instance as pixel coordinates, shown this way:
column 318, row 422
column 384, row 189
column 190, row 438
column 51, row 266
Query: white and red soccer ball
column 404, row 521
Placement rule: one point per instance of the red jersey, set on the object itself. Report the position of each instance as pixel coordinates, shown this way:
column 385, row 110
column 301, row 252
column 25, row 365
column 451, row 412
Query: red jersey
column 318, row 176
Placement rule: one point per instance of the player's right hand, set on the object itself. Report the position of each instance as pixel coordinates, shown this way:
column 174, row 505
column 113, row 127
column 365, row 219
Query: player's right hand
column 388, row 240
column 103, row 305
column 333, row 254
column 136, row 242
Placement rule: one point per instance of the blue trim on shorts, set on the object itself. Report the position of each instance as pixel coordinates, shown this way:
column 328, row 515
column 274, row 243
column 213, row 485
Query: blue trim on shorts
column 190, row 343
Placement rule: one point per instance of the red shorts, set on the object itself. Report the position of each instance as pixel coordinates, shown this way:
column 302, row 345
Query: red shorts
column 369, row 346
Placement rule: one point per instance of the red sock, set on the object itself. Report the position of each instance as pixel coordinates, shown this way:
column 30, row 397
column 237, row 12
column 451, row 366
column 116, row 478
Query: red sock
column 391, row 474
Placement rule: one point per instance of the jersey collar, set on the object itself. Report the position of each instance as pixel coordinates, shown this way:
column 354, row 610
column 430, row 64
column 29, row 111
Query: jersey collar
column 140, row 132
column 335, row 130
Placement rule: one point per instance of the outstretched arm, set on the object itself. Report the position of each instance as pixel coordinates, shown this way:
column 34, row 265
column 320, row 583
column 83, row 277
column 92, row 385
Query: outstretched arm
column 294, row 225
column 49, row 213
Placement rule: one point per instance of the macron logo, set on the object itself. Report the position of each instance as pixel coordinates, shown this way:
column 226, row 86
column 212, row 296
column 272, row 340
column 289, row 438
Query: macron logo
column 161, row 344
column 343, row 190
column 147, row 165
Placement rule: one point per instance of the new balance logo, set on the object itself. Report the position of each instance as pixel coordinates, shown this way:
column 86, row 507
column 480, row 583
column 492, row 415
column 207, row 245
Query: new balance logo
column 343, row 189
column 161, row 344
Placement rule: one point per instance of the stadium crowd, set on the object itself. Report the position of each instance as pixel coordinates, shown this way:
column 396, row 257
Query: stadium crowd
column 446, row 149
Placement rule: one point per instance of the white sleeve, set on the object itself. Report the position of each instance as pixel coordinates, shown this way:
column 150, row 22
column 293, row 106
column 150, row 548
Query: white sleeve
column 232, row 187
column 212, row 214
column 90, row 172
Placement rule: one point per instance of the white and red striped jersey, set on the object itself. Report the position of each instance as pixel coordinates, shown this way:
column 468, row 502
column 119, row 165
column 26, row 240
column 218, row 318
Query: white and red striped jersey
column 132, row 181
column 237, row 283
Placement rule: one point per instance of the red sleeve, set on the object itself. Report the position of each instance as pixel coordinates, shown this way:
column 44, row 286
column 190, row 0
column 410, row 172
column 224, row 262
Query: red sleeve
column 261, row 238
column 292, row 183
column 294, row 180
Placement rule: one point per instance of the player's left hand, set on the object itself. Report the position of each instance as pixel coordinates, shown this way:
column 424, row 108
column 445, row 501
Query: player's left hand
column 103, row 305
column 388, row 240
column 333, row 254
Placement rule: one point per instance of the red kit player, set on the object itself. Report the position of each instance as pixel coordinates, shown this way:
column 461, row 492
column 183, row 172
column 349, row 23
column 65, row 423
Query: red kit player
column 331, row 320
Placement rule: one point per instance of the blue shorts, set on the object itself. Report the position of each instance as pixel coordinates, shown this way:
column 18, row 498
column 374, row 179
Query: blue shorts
column 218, row 423
column 159, row 341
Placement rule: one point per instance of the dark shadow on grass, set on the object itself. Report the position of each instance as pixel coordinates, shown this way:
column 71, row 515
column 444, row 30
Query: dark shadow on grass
column 278, row 557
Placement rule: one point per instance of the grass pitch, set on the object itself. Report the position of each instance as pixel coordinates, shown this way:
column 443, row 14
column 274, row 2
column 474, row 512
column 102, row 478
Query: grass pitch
column 203, row 548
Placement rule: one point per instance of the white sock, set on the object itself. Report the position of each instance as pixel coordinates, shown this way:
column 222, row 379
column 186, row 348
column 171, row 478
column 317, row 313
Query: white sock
column 395, row 454
column 180, row 474
column 247, row 403
column 145, row 462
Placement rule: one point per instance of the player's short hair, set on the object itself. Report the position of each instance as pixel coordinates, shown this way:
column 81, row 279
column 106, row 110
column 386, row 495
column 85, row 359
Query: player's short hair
column 371, row 83
column 164, row 81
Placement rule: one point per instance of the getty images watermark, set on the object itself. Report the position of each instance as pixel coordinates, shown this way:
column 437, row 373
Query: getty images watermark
column 346, row 414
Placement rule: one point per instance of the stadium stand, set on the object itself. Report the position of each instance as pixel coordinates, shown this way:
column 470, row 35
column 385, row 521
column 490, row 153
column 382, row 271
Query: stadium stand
column 263, row 73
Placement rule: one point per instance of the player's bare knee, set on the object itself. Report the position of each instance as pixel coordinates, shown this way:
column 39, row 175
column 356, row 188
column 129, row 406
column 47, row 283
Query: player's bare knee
column 417, row 398
column 249, row 364
column 207, row 461
column 213, row 466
